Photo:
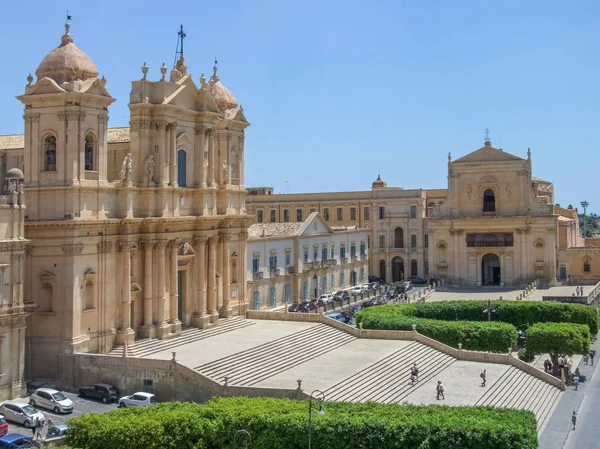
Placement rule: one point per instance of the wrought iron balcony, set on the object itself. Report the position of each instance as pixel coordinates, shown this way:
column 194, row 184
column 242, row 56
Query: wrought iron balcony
column 290, row 270
column 257, row 276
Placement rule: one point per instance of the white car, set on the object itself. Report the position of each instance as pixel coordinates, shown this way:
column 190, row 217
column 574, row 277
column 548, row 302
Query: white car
column 52, row 400
column 139, row 399
column 327, row 298
column 357, row 290
column 21, row 413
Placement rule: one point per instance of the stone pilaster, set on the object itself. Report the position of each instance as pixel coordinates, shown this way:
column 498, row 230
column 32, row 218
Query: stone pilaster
column 147, row 329
column 162, row 327
column 201, row 318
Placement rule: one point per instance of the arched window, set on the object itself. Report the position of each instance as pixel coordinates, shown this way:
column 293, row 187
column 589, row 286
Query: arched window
column 399, row 237
column 430, row 207
column 586, row 265
column 89, row 295
column 414, row 267
column 90, row 146
column 489, row 201
column 50, row 153
column 181, row 168
column 46, row 297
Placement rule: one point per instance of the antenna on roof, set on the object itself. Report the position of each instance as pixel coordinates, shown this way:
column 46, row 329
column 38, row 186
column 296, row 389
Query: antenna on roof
column 179, row 49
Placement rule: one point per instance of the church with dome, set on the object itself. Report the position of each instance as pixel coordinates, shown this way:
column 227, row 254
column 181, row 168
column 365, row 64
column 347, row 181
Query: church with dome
column 124, row 233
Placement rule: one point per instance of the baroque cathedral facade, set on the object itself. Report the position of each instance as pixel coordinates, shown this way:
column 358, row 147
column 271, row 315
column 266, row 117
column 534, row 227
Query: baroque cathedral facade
column 131, row 232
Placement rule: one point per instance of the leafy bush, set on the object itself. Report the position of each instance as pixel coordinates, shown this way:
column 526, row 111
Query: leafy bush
column 476, row 336
column 526, row 356
column 283, row 424
column 558, row 338
column 520, row 314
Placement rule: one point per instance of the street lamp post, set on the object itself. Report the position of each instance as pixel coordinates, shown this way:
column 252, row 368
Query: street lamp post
column 245, row 439
column 584, row 204
column 318, row 396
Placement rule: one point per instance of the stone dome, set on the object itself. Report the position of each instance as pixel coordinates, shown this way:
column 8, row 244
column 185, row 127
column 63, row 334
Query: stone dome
column 14, row 173
column 67, row 62
column 379, row 183
column 222, row 96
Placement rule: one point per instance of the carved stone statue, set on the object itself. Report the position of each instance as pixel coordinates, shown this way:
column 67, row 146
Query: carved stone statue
column 126, row 169
column 149, row 170
column 12, row 186
column 508, row 190
column 225, row 173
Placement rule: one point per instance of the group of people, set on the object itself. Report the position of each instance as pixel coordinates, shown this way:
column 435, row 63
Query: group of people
column 37, row 428
column 439, row 389
column 578, row 291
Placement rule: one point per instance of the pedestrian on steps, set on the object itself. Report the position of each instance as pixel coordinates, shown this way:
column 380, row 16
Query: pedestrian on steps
column 574, row 420
column 483, row 375
column 591, row 358
column 414, row 374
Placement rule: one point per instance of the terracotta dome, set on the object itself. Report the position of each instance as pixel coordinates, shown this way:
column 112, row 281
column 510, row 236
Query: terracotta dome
column 222, row 96
column 67, row 62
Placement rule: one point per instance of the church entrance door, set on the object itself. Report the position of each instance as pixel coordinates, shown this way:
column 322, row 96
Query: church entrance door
column 490, row 270
column 397, row 269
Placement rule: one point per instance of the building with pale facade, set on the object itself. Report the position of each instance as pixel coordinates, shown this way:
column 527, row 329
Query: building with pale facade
column 495, row 224
column 292, row 262
column 134, row 232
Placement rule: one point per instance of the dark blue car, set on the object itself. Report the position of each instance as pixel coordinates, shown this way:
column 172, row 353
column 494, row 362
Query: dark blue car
column 15, row 441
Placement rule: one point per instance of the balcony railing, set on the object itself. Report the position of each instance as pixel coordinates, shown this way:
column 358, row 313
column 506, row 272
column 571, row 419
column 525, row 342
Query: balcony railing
column 290, row 270
column 257, row 276
column 274, row 272
column 343, row 260
column 354, row 258
column 10, row 309
column 329, row 262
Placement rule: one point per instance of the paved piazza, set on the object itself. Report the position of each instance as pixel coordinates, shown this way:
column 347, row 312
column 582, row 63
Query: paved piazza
column 484, row 293
column 277, row 353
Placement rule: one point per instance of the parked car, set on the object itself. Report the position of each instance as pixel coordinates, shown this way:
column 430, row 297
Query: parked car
column 407, row 286
column 103, row 392
column 337, row 316
column 16, row 441
column 416, row 280
column 52, row 400
column 357, row 290
column 21, row 413
column 327, row 298
column 307, row 306
column 139, row 399
column 57, row 430
column 3, row 426
column 317, row 303
column 294, row 307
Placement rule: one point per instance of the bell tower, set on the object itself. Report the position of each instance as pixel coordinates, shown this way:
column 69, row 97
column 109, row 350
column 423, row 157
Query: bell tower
column 66, row 119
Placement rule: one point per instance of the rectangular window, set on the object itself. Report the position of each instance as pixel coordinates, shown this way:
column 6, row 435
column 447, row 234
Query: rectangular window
column 273, row 215
column 286, row 216
column 324, row 254
column 382, row 241
column 259, row 216
column 426, row 241
column 343, row 279
column 272, row 262
column 353, row 251
column 305, row 256
column 255, row 265
column 366, row 213
column 332, row 252
column 288, row 260
column 362, row 275
column 413, row 241
column 326, row 214
column 305, row 290
column 324, row 285
column 413, row 211
column 343, row 252
column 298, row 215
column 586, row 265
column 381, row 212
column 353, row 213
column 315, row 254
column 340, row 214
column 363, row 251
column 288, row 293
column 332, row 280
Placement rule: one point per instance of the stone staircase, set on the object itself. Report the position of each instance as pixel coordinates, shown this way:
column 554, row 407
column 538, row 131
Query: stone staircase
column 388, row 380
column 145, row 347
column 254, row 365
column 517, row 389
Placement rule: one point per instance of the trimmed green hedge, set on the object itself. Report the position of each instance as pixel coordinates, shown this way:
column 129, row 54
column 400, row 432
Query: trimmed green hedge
column 558, row 338
column 283, row 424
column 518, row 313
column 474, row 335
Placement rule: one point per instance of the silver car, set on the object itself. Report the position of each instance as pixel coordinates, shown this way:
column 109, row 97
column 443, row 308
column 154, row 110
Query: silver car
column 52, row 400
column 21, row 413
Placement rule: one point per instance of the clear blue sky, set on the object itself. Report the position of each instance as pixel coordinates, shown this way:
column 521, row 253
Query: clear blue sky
column 338, row 91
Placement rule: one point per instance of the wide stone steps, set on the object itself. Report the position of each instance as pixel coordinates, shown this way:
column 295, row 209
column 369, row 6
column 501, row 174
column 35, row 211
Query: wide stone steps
column 145, row 347
column 519, row 390
column 388, row 380
column 254, row 365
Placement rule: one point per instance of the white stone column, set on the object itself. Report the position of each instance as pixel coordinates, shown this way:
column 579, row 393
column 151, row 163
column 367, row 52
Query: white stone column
column 212, row 291
column 201, row 274
column 502, row 268
column 174, row 293
column 242, row 281
column 226, row 275
column 211, row 158
column 173, row 154
column 148, row 247
column 101, row 149
column 126, row 248
column 479, row 279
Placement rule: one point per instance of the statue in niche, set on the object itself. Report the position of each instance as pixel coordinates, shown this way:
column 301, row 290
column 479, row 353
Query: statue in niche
column 508, row 190
column 12, row 186
column 225, row 173
column 126, row 169
column 149, row 170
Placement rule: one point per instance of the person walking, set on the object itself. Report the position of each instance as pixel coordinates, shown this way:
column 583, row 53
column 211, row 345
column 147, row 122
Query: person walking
column 586, row 359
column 440, row 390
column 577, row 290
column 414, row 373
column 574, row 420
column 34, row 428
column 575, row 381
column 591, row 358
column 483, row 375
